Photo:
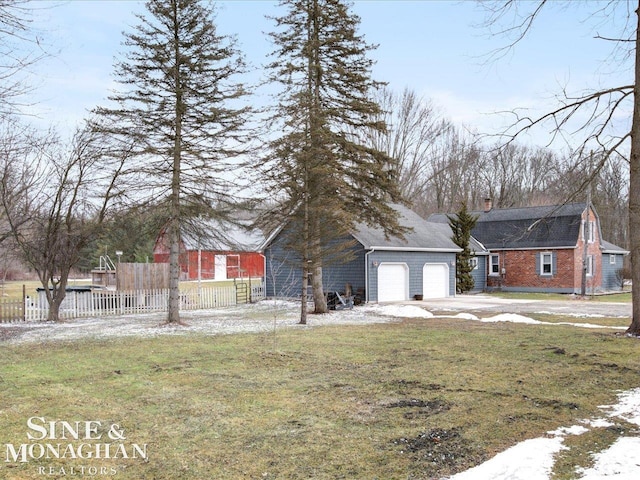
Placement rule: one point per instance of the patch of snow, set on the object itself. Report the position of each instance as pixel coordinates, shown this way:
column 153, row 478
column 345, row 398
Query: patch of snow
column 528, row 460
column 619, row 462
column 511, row 317
column 515, row 318
column 627, row 408
column 574, row 430
column 585, row 325
column 598, row 423
column 403, row 311
column 533, row 459
column 577, row 315
column 462, row 315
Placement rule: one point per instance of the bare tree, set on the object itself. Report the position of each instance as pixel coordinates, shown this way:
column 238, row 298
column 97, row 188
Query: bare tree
column 414, row 128
column 54, row 198
column 594, row 115
column 19, row 49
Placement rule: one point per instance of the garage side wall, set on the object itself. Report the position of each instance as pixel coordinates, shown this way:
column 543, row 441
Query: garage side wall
column 283, row 275
column 415, row 262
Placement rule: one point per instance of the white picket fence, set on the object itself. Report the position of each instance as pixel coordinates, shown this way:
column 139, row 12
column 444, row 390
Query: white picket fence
column 99, row 303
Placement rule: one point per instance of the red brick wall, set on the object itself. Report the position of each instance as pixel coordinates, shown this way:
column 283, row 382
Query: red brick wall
column 520, row 270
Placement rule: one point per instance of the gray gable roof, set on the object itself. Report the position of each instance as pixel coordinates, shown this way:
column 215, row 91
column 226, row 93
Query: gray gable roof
column 215, row 235
column 528, row 227
column 608, row 247
column 425, row 236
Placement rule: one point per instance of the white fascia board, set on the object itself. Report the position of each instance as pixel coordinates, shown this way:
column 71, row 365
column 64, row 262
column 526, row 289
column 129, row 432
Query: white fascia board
column 417, row 249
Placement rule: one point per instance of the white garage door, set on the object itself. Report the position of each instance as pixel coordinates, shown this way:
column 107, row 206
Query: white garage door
column 393, row 282
column 435, row 280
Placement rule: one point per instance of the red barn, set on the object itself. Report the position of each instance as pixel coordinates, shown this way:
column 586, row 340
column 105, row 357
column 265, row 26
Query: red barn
column 228, row 252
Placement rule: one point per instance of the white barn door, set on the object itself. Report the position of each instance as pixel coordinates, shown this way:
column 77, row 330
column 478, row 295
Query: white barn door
column 220, row 267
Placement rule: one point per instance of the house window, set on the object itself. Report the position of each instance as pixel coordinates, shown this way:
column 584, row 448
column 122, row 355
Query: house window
column 589, row 231
column 474, row 262
column 494, row 265
column 546, row 264
column 589, row 265
column 612, row 259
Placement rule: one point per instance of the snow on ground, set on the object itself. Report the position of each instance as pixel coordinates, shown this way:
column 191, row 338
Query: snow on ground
column 618, row 462
column 529, row 460
column 251, row 318
column 533, row 459
column 515, row 318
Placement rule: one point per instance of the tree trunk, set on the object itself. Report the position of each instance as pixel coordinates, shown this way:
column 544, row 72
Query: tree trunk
column 174, row 223
column 303, row 296
column 57, row 297
column 54, row 306
column 173, row 315
column 634, row 191
column 319, row 300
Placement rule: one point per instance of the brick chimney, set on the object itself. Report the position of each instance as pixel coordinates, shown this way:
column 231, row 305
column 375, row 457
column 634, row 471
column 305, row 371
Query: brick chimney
column 488, row 205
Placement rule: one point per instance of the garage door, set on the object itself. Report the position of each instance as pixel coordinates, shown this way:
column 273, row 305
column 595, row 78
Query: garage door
column 435, row 280
column 393, row 282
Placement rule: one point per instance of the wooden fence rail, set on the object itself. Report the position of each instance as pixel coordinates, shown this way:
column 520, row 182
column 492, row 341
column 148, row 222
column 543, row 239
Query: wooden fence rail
column 100, row 303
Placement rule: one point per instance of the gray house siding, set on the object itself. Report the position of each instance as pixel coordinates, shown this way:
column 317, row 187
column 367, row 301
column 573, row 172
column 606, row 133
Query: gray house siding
column 479, row 274
column 284, row 275
column 609, row 270
column 415, row 261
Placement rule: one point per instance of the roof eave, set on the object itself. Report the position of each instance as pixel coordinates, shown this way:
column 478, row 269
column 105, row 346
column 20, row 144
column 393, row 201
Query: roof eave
column 415, row 249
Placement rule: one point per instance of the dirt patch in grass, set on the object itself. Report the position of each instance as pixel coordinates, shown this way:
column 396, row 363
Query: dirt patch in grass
column 440, row 452
column 415, row 408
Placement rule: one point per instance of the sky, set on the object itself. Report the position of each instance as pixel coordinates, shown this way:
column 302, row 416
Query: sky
column 436, row 48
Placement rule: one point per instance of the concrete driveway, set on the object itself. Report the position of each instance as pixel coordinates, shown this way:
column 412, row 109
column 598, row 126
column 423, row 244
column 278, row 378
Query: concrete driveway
column 488, row 303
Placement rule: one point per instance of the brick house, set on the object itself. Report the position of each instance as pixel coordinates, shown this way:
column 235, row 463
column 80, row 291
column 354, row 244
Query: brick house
column 218, row 253
column 543, row 249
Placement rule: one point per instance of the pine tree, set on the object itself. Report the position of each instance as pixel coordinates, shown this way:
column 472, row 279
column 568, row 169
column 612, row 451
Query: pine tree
column 177, row 114
column 327, row 177
column 461, row 225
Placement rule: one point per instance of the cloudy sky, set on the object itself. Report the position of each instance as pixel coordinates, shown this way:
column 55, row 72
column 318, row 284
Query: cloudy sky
column 436, row 48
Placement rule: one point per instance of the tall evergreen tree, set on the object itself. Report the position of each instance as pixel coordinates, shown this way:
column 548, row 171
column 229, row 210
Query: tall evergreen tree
column 321, row 169
column 177, row 114
column 461, row 225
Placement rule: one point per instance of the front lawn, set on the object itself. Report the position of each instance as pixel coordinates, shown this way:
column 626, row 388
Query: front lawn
column 417, row 399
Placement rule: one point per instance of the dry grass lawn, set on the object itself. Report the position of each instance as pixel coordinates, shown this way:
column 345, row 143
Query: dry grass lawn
column 417, row 399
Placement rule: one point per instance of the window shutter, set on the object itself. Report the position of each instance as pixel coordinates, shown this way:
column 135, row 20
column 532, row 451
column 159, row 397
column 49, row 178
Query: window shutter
column 554, row 263
column 539, row 263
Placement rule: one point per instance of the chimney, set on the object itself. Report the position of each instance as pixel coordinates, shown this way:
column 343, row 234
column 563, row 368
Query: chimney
column 488, row 204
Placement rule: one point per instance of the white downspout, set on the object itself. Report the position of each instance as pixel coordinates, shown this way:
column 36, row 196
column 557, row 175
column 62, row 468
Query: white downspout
column 366, row 274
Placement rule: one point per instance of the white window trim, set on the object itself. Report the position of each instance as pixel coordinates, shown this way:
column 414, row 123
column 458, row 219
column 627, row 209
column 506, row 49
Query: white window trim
column 491, row 272
column 543, row 263
column 474, row 262
column 589, row 265
column 612, row 259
